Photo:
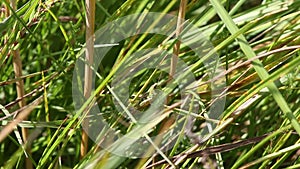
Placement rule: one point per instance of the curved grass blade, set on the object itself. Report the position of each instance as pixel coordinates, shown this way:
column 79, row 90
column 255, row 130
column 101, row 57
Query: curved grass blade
column 258, row 66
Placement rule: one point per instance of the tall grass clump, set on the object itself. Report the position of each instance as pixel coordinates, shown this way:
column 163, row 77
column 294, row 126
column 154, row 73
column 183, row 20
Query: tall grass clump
column 45, row 124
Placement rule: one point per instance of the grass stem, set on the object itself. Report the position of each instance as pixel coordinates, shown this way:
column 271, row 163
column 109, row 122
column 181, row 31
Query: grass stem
column 90, row 20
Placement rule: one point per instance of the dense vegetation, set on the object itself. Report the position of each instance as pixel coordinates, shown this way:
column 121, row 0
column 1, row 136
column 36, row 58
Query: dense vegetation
column 246, row 70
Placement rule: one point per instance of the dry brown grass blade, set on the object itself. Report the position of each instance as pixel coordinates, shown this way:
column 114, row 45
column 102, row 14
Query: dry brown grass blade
column 25, row 111
column 247, row 63
column 20, row 91
column 212, row 150
column 17, row 64
column 90, row 19
column 176, row 48
column 166, row 123
column 21, row 116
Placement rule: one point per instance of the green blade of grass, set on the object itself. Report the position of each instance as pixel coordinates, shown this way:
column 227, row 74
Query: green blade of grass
column 273, row 155
column 250, row 93
column 7, row 23
column 258, row 66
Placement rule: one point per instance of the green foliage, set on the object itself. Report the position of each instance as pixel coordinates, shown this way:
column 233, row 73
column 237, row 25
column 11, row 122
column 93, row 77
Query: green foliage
column 260, row 36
